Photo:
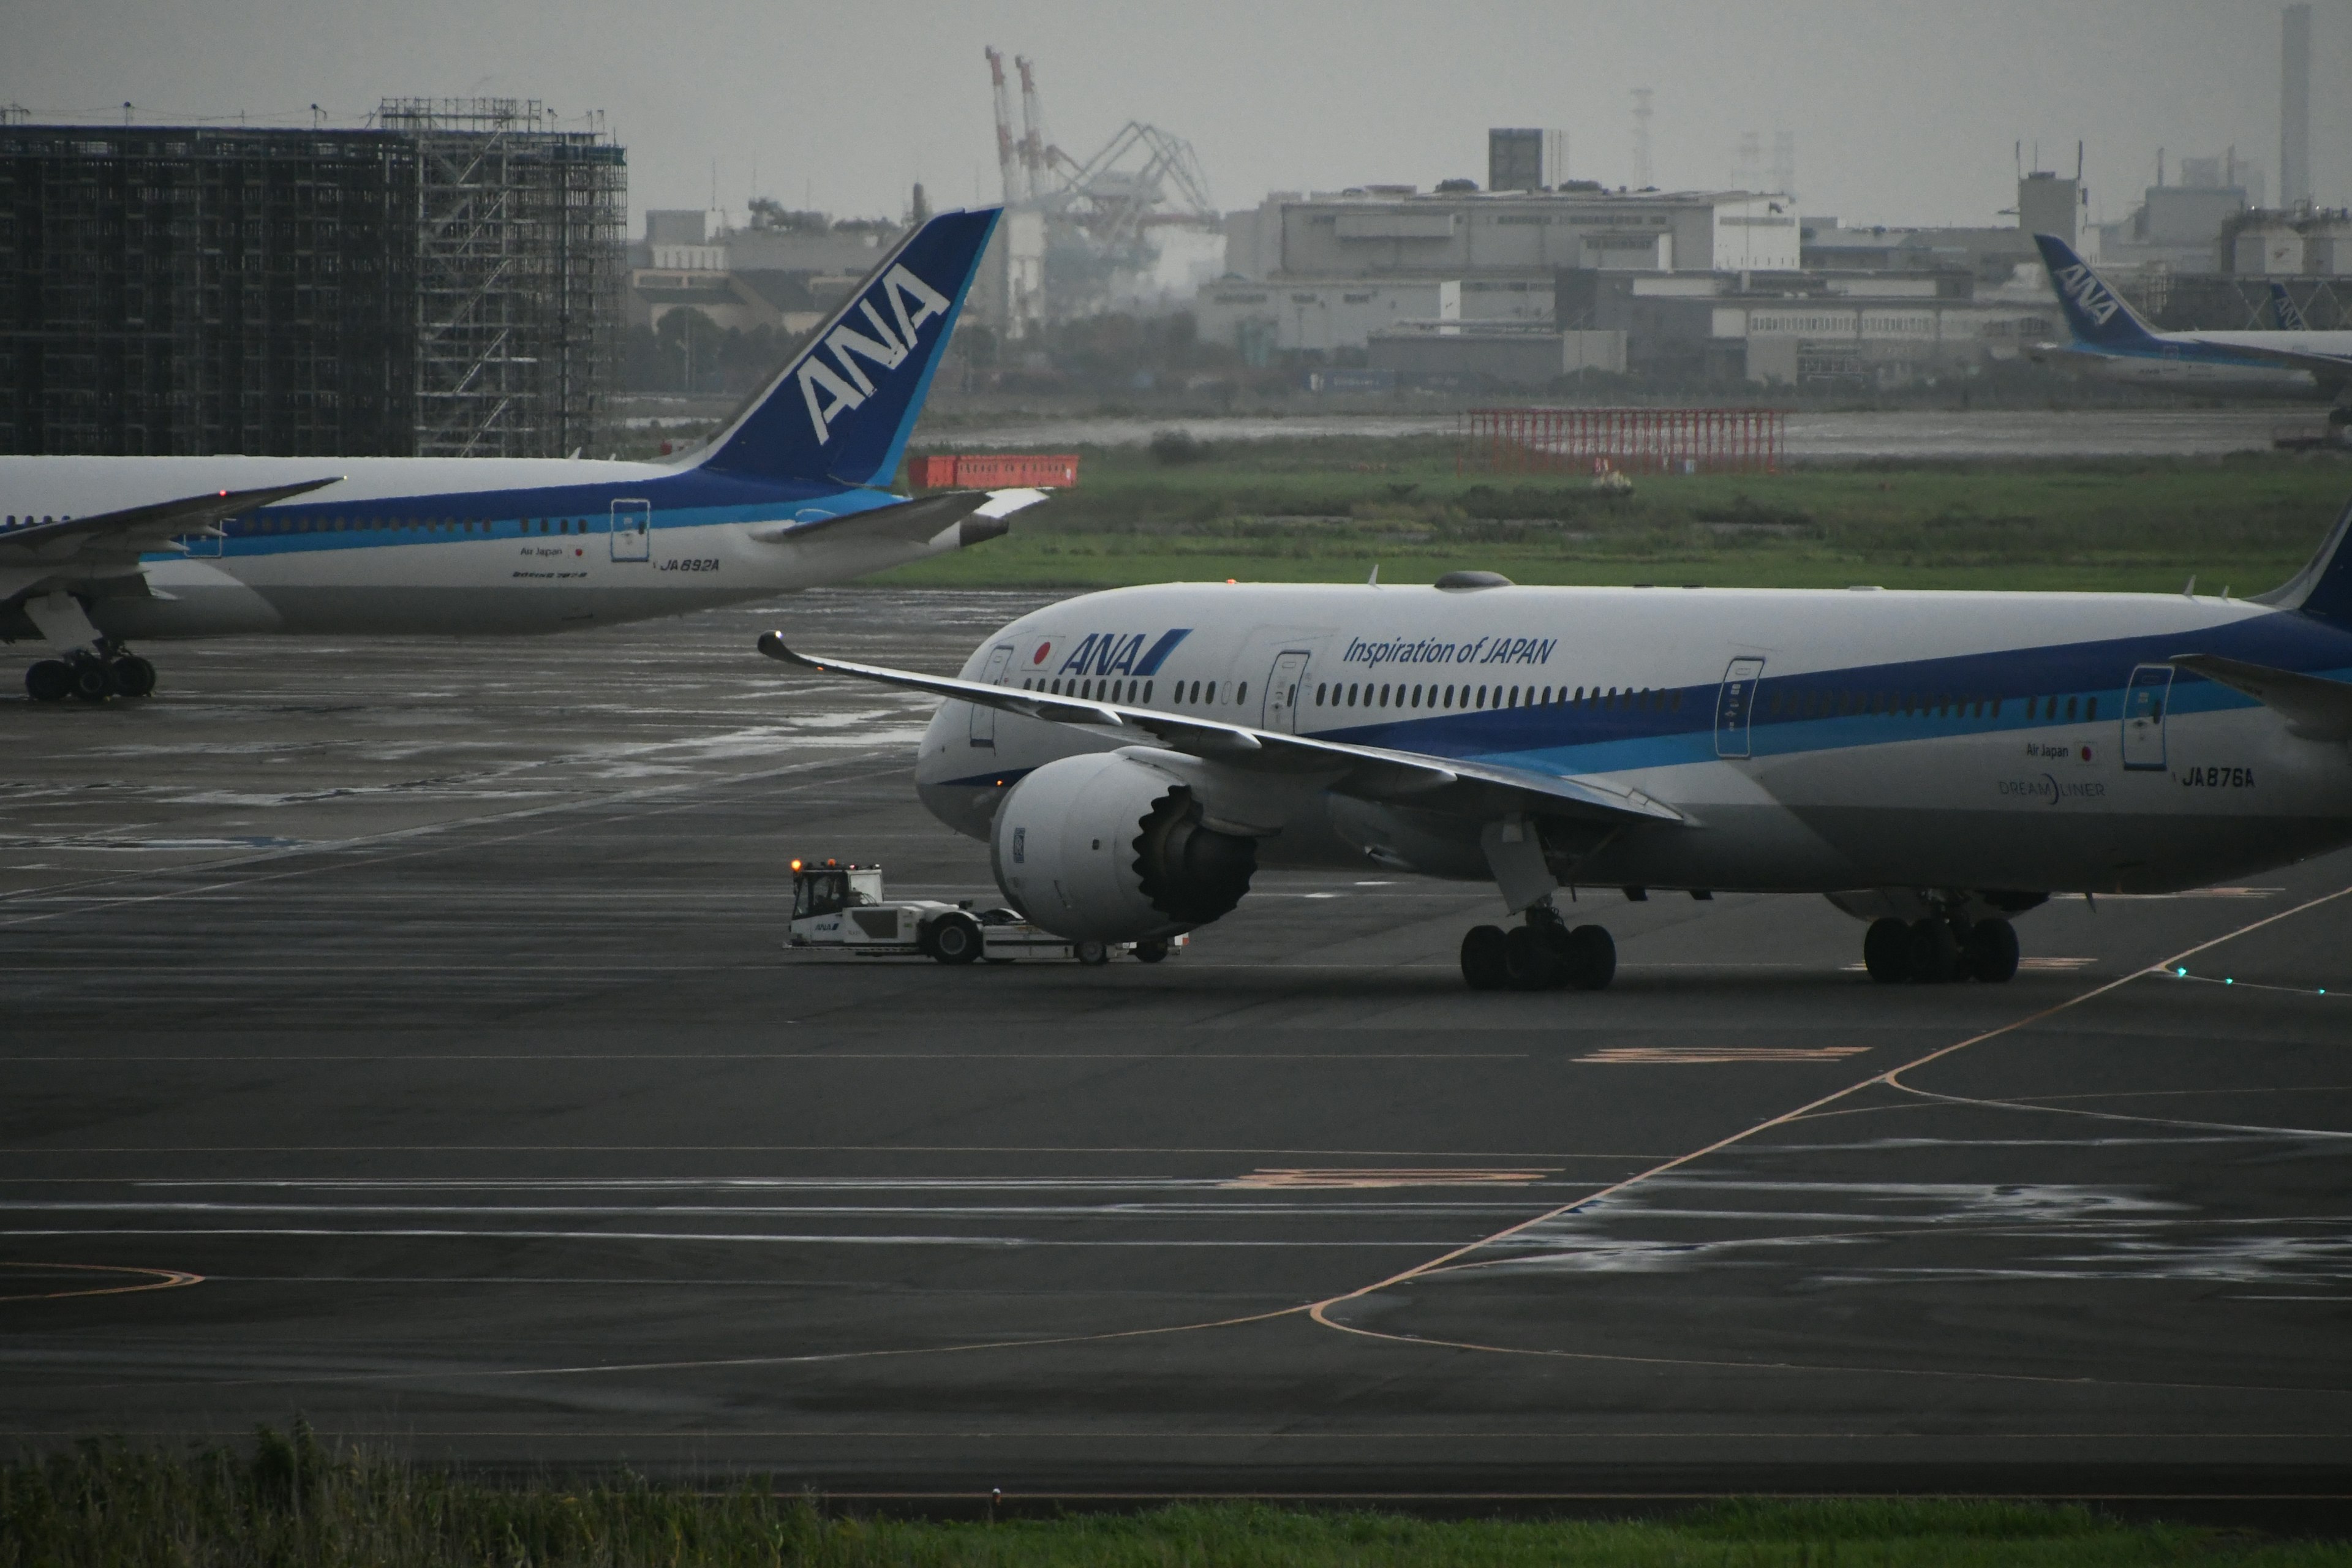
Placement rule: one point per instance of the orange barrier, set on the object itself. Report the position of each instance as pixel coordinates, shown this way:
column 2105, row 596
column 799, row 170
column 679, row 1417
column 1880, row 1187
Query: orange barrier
column 997, row 472
column 1597, row 441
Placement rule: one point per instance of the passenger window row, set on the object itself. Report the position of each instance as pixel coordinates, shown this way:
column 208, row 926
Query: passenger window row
column 260, row 525
column 1917, row 705
column 1365, row 694
column 1198, row 694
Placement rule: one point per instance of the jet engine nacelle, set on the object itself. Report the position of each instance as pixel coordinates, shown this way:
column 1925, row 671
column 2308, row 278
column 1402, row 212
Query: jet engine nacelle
column 1108, row 849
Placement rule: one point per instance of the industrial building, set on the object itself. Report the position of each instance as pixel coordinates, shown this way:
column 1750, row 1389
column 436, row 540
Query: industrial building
column 1523, row 287
column 782, row 270
column 444, row 281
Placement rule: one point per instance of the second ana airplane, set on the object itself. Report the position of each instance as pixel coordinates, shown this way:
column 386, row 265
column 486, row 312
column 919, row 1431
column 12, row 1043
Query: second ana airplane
column 96, row 550
column 2108, row 340
column 1935, row 762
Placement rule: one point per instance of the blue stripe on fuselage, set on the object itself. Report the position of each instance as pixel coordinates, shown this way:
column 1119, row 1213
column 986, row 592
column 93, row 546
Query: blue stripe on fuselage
column 2175, row 350
column 690, row 498
column 1678, row 725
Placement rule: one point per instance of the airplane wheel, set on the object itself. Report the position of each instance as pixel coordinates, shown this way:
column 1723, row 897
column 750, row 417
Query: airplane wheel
column 955, row 938
column 1992, row 952
column 92, row 681
column 51, row 680
column 1484, row 967
column 1090, row 952
column 1592, row 958
column 134, row 676
column 1150, row 950
column 1935, row 953
column 1887, row 951
column 1529, row 961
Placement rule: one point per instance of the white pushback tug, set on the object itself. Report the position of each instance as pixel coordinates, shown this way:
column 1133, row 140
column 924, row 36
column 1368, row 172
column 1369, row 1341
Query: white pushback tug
column 841, row 906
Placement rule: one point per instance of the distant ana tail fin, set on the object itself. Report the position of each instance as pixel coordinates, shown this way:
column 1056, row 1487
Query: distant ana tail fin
column 840, row 412
column 2289, row 313
column 2096, row 315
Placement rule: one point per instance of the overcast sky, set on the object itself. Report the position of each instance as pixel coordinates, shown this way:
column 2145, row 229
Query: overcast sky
column 1903, row 111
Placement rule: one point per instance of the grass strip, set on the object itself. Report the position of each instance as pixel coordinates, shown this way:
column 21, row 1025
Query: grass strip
column 1327, row 511
column 290, row 1501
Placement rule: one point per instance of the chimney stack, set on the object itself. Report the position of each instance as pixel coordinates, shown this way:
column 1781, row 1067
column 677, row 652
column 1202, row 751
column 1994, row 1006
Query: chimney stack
column 2294, row 106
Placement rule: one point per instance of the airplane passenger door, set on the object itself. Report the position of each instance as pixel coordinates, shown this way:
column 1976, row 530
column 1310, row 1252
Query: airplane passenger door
column 633, row 530
column 2144, row 704
column 1734, row 704
column 983, row 720
column 1282, row 692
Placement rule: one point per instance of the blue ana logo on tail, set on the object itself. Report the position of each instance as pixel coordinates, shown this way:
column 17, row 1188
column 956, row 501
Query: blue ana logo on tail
column 2094, row 312
column 2091, row 296
column 837, row 417
column 898, row 288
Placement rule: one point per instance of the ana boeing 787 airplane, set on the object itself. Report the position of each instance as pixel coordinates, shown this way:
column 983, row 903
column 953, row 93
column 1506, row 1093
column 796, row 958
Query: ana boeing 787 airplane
column 96, row 550
column 1935, row 762
column 2106, row 338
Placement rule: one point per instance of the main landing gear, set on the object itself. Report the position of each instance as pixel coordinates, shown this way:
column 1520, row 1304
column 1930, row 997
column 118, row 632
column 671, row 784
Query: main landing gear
column 1938, row 949
column 1543, row 955
column 93, row 675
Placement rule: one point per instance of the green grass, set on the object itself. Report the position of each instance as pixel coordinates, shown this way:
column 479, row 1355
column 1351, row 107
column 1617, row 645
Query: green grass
column 1326, row 510
column 291, row 1502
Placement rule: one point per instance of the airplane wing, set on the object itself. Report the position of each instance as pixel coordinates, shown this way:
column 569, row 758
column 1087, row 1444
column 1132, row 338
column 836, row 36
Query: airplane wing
column 985, row 514
column 1371, row 772
column 112, row 541
column 2313, row 707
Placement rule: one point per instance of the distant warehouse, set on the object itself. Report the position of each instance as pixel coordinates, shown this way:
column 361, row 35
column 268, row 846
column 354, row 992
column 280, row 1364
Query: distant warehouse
column 444, row 282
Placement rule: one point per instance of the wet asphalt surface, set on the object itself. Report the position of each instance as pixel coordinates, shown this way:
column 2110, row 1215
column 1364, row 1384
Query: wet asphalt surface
column 396, row 1034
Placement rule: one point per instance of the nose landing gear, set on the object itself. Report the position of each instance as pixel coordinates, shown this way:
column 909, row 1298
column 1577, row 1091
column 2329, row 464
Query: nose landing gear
column 1544, row 954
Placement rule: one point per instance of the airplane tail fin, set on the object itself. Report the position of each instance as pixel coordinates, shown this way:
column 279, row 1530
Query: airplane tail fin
column 2289, row 314
column 2324, row 588
column 2096, row 315
column 841, row 411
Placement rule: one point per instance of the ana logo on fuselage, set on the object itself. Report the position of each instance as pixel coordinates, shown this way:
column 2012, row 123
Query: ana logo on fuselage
column 1122, row 653
column 2083, row 286
column 850, row 386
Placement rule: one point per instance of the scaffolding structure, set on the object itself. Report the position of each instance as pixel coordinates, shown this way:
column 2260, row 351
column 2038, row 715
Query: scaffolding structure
column 446, row 281
column 183, row 292
column 519, row 271
column 1601, row 440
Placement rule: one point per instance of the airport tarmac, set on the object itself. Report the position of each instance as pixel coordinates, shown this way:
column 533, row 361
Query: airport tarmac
column 395, row 1034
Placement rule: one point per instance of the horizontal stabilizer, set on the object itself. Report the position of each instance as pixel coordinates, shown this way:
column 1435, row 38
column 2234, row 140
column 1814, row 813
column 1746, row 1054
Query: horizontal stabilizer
column 2313, row 708
column 982, row 514
column 1371, row 772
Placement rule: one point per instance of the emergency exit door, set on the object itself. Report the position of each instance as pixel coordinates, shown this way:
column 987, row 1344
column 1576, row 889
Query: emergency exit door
column 984, row 719
column 1734, row 705
column 1282, row 692
column 633, row 530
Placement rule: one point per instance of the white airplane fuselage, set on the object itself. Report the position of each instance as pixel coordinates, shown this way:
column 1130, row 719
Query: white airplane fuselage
column 458, row 544
column 1813, row 741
